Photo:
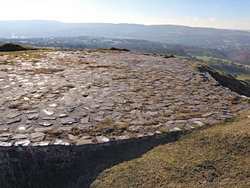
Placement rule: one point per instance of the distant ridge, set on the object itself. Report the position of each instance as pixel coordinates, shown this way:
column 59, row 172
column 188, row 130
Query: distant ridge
column 205, row 37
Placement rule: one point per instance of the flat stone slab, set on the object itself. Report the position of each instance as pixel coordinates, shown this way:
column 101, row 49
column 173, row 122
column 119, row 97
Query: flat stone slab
column 62, row 98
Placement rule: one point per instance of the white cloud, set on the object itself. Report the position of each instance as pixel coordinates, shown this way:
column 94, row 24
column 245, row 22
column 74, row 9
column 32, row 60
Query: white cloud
column 212, row 19
column 196, row 19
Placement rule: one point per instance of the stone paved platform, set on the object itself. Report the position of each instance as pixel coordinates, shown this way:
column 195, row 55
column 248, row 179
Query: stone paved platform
column 96, row 96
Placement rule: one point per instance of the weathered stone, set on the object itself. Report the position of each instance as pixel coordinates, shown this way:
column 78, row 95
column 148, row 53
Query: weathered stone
column 72, row 137
column 33, row 116
column 174, row 129
column 85, row 125
column 23, row 128
column 5, row 144
column 139, row 135
column 45, row 124
column 84, row 141
column 22, row 143
column 44, row 143
column 48, row 112
column 85, row 120
column 149, row 113
column 199, row 123
column 53, row 105
column 5, row 136
column 71, row 109
column 124, row 137
column 150, row 134
column 37, row 137
column 42, row 129
column 48, row 118
column 207, row 114
column 64, row 128
column 63, row 115
column 169, row 112
column 13, row 115
column 68, row 121
column 109, row 104
column 98, row 118
column 135, row 128
column 61, row 142
column 102, row 139
column 16, row 120
column 158, row 132
column 180, row 122
column 19, row 136
column 51, row 96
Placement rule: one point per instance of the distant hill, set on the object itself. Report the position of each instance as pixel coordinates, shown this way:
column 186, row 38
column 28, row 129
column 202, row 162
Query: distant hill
column 9, row 47
column 204, row 37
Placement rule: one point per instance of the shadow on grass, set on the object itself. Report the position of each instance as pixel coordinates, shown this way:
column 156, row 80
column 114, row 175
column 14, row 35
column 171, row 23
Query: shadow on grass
column 100, row 160
column 70, row 166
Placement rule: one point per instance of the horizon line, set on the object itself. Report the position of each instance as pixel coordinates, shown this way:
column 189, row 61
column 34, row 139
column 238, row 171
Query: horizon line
column 165, row 24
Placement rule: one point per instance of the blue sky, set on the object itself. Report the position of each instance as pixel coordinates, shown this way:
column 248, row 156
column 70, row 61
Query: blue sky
column 233, row 14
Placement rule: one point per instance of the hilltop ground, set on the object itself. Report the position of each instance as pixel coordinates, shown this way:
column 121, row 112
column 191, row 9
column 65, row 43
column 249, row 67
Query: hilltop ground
column 98, row 96
column 95, row 96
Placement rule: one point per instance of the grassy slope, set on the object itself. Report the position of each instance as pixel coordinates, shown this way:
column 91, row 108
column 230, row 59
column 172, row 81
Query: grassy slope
column 216, row 156
column 205, row 58
column 243, row 76
column 240, row 76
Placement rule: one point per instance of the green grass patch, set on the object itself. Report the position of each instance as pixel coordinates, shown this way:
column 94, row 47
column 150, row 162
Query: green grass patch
column 213, row 156
column 242, row 71
column 26, row 55
column 239, row 86
column 206, row 58
column 243, row 76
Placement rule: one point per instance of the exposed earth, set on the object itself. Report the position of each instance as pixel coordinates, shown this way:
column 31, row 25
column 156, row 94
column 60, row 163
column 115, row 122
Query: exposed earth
column 98, row 96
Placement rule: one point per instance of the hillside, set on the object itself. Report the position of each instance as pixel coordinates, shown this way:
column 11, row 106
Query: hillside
column 214, row 156
column 192, row 36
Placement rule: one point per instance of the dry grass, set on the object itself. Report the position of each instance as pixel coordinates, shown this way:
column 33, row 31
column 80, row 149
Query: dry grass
column 15, row 105
column 54, row 134
column 138, row 89
column 185, row 116
column 214, row 156
column 83, row 62
column 108, row 127
column 26, row 55
column 20, row 106
column 44, row 70
column 25, row 107
column 99, row 66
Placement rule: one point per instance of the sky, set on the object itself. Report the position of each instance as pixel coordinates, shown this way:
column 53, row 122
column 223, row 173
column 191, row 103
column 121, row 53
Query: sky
column 229, row 14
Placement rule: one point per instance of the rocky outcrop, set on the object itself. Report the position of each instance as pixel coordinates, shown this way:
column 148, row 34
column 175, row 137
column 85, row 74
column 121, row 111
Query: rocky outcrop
column 227, row 80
